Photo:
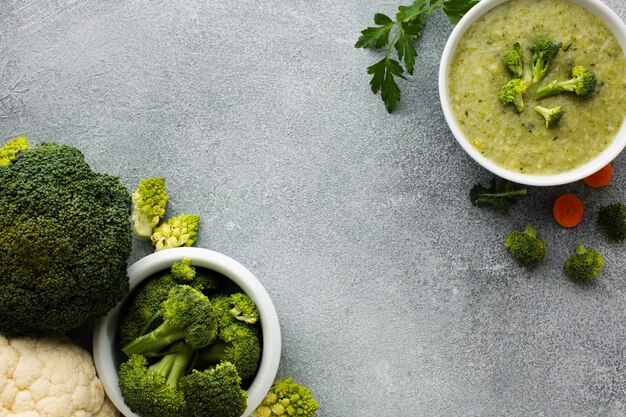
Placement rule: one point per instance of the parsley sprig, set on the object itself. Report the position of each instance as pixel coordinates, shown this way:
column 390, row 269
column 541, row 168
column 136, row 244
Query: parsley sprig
column 407, row 27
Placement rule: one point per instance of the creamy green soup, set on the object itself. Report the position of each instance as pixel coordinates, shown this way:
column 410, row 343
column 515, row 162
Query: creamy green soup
column 520, row 142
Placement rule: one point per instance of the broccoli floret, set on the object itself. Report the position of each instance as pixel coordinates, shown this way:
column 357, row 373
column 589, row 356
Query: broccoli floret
column 203, row 280
column 513, row 59
column 238, row 344
column 612, row 221
column 11, row 148
column 149, row 201
column 286, row 398
column 65, row 239
column 513, row 92
column 585, row 265
column 544, row 50
column 552, row 116
column 177, row 231
column 243, row 308
column 583, row 83
column 187, row 314
column 525, row 247
column 215, row 392
column 152, row 391
column 183, row 271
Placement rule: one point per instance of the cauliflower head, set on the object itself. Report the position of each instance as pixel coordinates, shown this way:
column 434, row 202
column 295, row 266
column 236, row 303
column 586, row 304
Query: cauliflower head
column 49, row 376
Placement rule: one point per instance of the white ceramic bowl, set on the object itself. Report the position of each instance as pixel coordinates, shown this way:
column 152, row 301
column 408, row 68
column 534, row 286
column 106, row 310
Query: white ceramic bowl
column 105, row 345
column 597, row 8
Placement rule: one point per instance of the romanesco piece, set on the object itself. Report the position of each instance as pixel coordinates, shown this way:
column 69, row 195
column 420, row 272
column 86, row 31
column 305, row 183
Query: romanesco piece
column 11, row 148
column 176, row 232
column 286, row 399
column 149, row 202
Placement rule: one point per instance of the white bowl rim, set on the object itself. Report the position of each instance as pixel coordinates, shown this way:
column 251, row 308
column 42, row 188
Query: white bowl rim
column 597, row 8
column 106, row 327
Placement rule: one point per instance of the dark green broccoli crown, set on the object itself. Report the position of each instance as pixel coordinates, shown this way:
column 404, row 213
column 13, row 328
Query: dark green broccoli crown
column 65, row 241
column 513, row 59
column 552, row 116
column 215, row 392
column 544, row 50
column 612, row 221
column 513, row 92
column 525, row 247
column 584, row 265
column 147, row 393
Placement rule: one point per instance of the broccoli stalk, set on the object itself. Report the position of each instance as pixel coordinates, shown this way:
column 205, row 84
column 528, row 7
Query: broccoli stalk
column 552, row 116
column 544, row 50
column 525, row 247
column 11, row 148
column 582, row 83
column 177, row 231
column 513, row 92
column 513, row 59
column 584, row 265
column 149, row 201
column 285, row 399
column 612, row 221
column 188, row 315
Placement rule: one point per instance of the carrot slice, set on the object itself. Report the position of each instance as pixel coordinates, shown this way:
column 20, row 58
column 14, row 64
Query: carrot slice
column 601, row 178
column 568, row 210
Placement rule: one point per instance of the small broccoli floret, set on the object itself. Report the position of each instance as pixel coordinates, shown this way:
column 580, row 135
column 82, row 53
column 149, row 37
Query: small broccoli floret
column 525, row 247
column 183, row 271
column 583, row 83
column 11, row 148
column 238, row 344
column 552, row 116
column 177, row 231
column 286, row 399
column 513, row 92
column 612, row 221
column 244, row 308
column 544, row 50
column 513, row 59
column 215, row 392
column 152, row 391
column 585, row 265
column 187, row 314
column 149, row 201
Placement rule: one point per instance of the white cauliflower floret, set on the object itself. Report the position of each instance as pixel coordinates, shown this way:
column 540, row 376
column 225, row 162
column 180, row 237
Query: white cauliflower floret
column 49, row 377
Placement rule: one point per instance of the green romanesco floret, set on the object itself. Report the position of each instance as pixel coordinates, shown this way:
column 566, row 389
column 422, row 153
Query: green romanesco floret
column 65, row 239
column 584, row 265
column 187, row 315
column 525, row 247
column 215, row 392
column 612, row 221
column 552, row 116
column 583, row 83
column 513, row 92
column 152, row 391
column 513, row 59
column 149, row 202
column 544, row 50
column 11, row 148
column 287, row 399
column 176, row 232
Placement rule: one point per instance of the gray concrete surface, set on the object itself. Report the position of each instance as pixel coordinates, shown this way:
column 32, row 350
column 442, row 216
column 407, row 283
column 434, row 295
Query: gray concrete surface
column 396, row 296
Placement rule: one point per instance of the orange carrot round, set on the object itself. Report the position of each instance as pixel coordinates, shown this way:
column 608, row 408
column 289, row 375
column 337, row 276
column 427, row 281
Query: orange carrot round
column 568, row 210
column 601, row 178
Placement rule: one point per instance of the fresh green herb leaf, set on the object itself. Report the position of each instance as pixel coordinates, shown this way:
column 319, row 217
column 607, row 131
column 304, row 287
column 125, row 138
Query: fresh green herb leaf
column 406, row 29
column 498, row 193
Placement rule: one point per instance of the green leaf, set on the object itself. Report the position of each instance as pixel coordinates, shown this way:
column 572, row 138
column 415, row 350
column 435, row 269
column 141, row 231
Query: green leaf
column 383, row 73
column 408, row 13
column 406, row 50
column 499, row 194
column 456, row 9
column 376, row 37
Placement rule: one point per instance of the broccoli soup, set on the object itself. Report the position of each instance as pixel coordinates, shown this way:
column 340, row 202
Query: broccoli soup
column 516, row 137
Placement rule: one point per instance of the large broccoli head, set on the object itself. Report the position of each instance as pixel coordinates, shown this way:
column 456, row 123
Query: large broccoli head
column 65, row 241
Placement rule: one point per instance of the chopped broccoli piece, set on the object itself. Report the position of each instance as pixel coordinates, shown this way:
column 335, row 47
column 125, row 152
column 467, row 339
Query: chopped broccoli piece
column 285, row 399
column 149, row 201
column 177, row 231
column 552, row 116
column 612, row 221
column 544, row 50
column 513, row 92
column 244, row 308
column 187, row 315
column 585, row 265
column 215, row 392
column 65, row 241
column 583, row 83
column 11, row 148
column 525, row 247
column 513, row 59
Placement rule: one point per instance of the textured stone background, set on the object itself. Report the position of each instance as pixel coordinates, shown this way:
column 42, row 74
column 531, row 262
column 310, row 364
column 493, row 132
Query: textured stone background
column 396, row 295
